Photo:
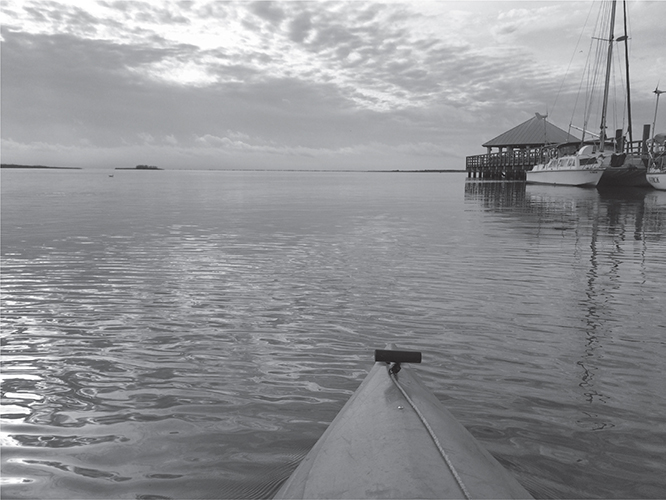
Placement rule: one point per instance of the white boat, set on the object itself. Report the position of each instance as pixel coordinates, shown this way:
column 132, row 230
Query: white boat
column 584, row 168
column 656, row 173
column 394, row 439
column 657, row 180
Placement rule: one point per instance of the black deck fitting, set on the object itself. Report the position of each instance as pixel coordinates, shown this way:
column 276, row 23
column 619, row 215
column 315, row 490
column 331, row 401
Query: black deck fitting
column 390, row 356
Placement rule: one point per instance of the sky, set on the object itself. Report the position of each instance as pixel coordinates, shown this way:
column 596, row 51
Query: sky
column 351, row 85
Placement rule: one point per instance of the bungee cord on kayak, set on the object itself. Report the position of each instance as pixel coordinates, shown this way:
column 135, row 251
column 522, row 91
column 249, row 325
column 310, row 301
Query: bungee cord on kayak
column 392, row 372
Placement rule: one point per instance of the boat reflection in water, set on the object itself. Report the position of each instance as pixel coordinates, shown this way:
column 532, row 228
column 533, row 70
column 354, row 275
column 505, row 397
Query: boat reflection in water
column 604, row 244
column 616, row 208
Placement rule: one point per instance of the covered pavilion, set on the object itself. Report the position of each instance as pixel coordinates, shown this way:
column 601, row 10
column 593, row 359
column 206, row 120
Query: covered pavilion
column 517, row 150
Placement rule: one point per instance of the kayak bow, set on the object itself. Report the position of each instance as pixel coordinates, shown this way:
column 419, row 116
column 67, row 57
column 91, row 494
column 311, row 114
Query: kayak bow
column 394, row 439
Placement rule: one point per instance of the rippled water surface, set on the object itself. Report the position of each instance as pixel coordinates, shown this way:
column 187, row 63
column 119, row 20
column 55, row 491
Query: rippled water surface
column 179, row 334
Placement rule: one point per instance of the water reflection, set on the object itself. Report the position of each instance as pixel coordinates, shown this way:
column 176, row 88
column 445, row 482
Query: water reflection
column 197, row 332
column 635, row 211
column 610, row 239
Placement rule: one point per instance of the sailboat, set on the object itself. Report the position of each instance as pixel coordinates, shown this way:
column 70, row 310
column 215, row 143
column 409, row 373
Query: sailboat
column 590, row 162
column 656, row 172
column 627, row 168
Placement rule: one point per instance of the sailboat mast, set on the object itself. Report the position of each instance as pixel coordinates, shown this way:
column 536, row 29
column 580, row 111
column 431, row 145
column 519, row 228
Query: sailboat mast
column 626, row 62
column 654, row 122
column 609, row 61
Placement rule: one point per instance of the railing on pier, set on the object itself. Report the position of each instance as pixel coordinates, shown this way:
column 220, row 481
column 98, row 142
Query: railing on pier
column 513, row 164
column 636, row 148
column 503, row 165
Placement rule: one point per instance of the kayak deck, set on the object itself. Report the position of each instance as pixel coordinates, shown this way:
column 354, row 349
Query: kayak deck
column 396, row 440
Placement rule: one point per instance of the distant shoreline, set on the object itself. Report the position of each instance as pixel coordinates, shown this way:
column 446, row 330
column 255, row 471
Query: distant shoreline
column 12, row 165
column 140, row 167
column 395, row 171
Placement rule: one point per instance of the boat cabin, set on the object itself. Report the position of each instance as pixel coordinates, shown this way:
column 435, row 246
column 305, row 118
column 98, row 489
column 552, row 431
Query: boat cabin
column 585, row 157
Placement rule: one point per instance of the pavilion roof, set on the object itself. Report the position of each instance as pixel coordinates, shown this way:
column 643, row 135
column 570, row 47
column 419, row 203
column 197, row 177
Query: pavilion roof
column 536, row 131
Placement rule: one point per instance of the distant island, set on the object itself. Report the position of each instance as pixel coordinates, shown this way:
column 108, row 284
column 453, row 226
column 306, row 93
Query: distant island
column 140, row 167
column 13, row 165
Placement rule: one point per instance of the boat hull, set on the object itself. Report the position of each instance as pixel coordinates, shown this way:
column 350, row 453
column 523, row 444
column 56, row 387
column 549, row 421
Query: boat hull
column 656, row 174
column 630, row 174
column 657, row 180
column 378, row 447
column 569, row 177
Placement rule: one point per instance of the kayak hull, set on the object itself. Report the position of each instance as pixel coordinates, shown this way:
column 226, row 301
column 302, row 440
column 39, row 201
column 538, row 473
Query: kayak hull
column 379, row 447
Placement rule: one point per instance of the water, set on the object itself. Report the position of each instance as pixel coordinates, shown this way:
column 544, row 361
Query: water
column 183, row 334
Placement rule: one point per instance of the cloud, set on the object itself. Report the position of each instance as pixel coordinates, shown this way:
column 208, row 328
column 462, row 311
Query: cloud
column 270, row 11
column 317, row 80
column 300, row 27
column 366, row 50
column 146, row 12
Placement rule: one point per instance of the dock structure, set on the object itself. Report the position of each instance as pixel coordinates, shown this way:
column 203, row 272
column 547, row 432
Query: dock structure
column 517, row 150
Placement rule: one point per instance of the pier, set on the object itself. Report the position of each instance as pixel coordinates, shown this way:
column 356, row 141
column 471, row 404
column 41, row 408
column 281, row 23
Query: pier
column 510, row 164
column 522, row 147
column 511, row 154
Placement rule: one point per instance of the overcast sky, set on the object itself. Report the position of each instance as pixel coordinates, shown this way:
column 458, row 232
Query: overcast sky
column 320, row 85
